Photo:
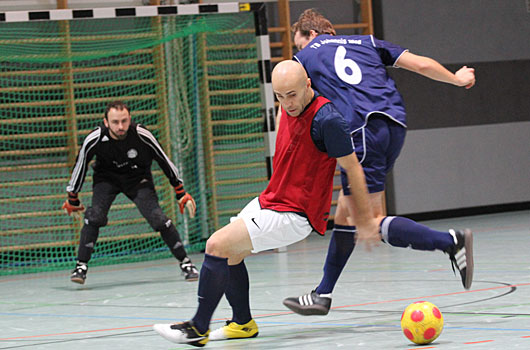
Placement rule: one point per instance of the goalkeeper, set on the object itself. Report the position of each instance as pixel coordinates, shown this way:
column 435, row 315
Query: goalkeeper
column 124, row 153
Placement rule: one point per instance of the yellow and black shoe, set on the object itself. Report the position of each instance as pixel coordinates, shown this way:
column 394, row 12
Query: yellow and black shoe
column 182, row 333
column 234, row 330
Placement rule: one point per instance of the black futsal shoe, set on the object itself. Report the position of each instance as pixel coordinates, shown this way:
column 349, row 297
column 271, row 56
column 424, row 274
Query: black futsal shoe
column 189, row 270
column 309, row 304
column 461, row 255
column 79, row 273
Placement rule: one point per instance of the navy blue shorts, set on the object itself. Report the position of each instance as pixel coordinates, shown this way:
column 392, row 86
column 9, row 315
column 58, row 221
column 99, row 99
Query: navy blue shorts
column 377, row 147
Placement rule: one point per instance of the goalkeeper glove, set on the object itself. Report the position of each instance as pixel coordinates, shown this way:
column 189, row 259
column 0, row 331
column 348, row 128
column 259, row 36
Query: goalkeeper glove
column 72, row 206
column 185, row 201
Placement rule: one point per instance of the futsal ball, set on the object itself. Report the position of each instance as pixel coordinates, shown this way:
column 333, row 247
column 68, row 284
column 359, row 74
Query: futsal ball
column 422, row 322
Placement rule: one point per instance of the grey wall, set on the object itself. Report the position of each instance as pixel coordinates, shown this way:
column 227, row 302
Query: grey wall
column 501, row 95
column 464, row 149
column 455, row 31
column 462, row 167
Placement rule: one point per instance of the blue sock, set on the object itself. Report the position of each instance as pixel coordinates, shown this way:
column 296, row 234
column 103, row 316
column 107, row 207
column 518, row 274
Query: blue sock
column 402, row 232
column 237, row 293
column 212, row 284
column 340, row 248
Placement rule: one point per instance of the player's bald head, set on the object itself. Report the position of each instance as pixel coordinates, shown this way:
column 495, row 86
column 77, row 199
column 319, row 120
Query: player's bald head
column 288, row 74
column 292, row 87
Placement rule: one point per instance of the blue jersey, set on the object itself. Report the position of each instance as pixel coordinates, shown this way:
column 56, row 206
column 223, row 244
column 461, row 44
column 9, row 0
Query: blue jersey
column 330, row 132
column 350, row 71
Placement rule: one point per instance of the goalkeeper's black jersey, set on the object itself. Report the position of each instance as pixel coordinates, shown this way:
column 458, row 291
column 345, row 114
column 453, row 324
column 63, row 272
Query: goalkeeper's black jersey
column 125, row 163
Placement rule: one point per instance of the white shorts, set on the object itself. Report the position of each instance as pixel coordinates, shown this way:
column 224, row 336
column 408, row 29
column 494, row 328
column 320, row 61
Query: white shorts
column 269, row 229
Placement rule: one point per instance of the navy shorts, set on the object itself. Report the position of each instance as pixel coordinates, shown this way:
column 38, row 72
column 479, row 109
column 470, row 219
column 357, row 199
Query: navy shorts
column 377, row 146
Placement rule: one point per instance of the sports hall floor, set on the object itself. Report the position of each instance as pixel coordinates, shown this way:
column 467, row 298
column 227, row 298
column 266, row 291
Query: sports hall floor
column 118, row 304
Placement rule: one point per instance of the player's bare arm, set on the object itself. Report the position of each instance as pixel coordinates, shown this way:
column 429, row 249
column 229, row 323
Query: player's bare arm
column 430, row 68
column 367, row 224
column 278, row 117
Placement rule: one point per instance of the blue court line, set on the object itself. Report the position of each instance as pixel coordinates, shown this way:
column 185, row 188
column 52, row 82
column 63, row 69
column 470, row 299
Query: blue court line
column 385, row 325
column 259, row 321
column 87, row 316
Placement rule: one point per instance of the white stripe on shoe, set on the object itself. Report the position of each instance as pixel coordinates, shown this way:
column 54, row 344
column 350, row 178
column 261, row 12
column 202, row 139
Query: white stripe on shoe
column 461, row 259
column 305, row 300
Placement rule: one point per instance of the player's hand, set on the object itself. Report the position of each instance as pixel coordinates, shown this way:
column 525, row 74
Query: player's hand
column 465, row 77
column 368, row 234
column 187, row 202
column 72, row 206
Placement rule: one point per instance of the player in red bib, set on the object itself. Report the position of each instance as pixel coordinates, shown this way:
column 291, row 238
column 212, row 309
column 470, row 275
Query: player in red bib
column 312, row 137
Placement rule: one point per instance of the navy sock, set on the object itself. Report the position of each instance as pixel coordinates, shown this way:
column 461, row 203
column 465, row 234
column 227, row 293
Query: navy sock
column 340, row 248
column 212, row 284
column 402, row 232
column 237, row 293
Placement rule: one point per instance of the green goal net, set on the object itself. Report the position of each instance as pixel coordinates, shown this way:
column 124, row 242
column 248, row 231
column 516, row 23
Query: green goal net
column 192, row 80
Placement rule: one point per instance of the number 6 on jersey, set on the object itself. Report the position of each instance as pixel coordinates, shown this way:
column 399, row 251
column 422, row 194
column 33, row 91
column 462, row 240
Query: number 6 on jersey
column 355, row 75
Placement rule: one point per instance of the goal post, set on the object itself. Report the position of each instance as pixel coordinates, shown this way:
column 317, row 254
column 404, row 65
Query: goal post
column 197, row 76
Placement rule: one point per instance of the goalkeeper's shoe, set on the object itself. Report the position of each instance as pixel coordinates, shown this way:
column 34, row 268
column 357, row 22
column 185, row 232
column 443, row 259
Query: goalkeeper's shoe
column 189, row 270
column 182, row 333
column 79, row 273
column 234, row 330
column 309, row 304
column 461, row 255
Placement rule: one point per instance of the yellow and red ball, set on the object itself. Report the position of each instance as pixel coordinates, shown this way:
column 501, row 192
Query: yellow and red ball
column 422, row 322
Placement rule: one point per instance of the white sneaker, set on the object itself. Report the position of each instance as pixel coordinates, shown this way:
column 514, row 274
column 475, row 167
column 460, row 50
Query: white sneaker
column 182, row 333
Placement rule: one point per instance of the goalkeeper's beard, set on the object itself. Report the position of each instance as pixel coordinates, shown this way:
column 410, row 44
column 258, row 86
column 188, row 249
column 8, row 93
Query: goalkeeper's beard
column 118, row 137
